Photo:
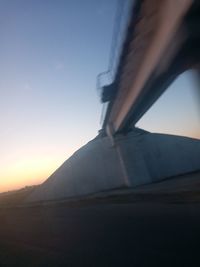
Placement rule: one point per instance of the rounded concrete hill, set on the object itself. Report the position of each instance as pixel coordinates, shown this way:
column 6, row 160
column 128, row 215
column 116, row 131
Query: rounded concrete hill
column 137, row 158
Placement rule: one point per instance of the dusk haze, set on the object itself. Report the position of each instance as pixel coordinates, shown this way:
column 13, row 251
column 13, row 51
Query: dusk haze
column 49, row 105
column 100, row 133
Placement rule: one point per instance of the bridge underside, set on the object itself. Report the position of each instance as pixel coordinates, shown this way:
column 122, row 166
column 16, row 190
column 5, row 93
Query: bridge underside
column 162, row 41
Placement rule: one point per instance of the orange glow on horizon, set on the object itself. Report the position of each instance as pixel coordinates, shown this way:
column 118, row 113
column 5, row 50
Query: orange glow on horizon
column 26, row 172
column 32, row 165
column 35, row 170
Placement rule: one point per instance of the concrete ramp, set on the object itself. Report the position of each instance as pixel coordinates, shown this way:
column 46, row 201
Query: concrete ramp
column 137, row 158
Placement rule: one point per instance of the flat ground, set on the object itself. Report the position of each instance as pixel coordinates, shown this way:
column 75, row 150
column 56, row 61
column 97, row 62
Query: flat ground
column 156, row 225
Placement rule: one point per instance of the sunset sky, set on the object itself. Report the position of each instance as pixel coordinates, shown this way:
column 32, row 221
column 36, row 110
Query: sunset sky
column 51, row 52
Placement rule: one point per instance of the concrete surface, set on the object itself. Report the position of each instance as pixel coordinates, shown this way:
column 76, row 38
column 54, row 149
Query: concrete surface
column 142, row 227
column 136, row 159
column 121, row 234
column 153, row 157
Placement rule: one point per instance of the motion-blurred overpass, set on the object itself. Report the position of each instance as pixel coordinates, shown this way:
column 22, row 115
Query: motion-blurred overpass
column 161, row 41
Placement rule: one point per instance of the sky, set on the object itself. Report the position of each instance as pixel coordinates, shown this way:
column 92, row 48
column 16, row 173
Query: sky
column 51, row 52
column 177, row 111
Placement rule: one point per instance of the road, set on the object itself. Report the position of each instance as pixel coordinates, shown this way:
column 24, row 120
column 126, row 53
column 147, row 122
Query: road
column 140, row 233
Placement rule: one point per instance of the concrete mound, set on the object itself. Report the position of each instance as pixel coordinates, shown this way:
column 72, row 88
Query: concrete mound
column 137, row 158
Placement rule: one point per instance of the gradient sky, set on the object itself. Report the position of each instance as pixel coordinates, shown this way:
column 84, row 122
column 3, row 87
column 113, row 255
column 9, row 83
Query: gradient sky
column 51, row 52
column 177, row 111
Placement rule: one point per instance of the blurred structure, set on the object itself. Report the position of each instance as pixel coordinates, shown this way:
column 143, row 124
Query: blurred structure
column 158, row 41
column 162, row 40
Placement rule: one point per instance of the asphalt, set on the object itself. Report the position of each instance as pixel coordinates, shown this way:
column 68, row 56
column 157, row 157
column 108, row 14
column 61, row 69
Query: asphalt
column 158, row 226
column 136, row 234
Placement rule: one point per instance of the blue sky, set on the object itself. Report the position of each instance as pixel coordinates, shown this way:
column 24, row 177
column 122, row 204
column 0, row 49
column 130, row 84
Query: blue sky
column 177, row 111
column 51, row 52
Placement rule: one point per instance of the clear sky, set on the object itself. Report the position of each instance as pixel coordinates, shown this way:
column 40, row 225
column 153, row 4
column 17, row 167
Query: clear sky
column 50, row 54
column 177, row 111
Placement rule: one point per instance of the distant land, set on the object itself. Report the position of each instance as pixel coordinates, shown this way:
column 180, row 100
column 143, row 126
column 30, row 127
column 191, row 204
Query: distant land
column 15, row 197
